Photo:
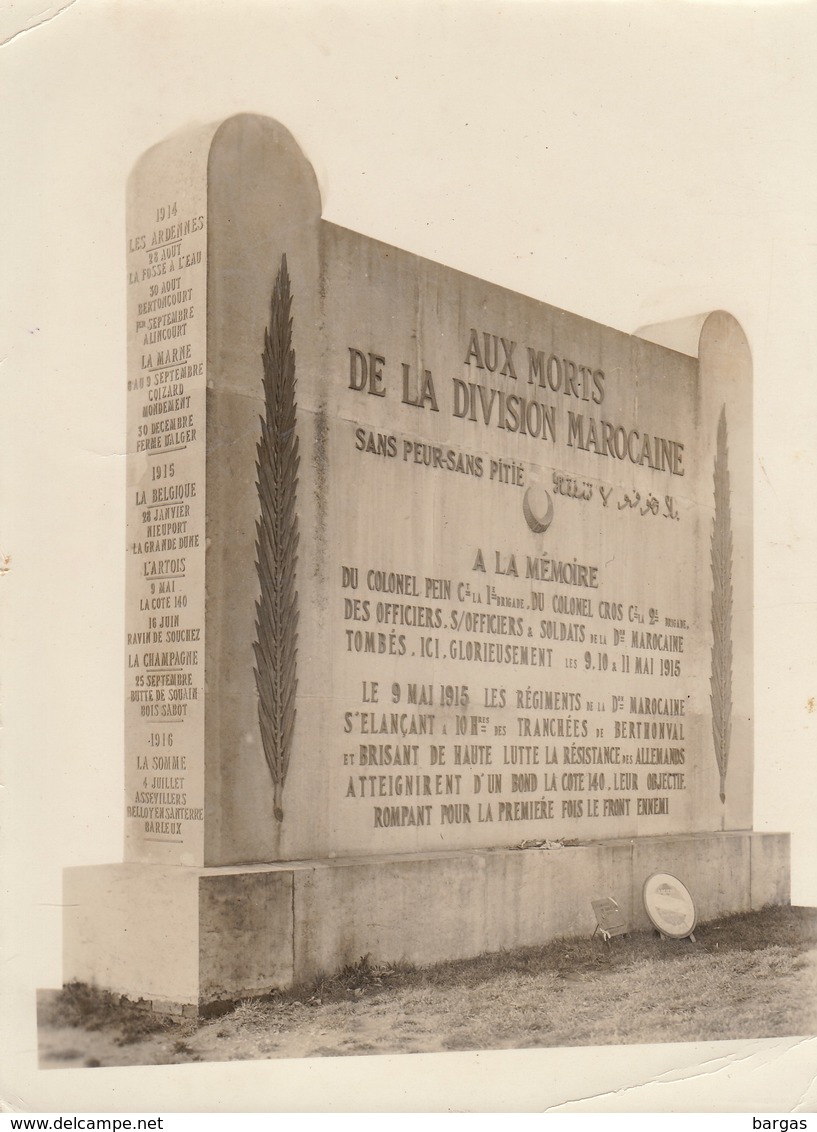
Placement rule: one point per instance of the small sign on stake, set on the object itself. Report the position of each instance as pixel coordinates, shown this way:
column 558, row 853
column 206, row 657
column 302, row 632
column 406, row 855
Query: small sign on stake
column 609, row 920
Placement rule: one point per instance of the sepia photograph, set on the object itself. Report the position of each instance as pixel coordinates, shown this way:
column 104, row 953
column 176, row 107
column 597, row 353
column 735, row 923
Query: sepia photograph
column 408, row 689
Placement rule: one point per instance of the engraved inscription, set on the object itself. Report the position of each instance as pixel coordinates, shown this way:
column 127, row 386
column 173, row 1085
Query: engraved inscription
column 164, row 633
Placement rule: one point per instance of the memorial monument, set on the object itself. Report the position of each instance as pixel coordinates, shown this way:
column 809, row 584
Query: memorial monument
column 422, row 575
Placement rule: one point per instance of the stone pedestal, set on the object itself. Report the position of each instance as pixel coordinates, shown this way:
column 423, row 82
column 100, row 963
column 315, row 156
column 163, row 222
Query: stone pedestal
column 186, row 940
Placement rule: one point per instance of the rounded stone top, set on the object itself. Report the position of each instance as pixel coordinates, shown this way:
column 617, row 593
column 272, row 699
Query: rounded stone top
column 250, row 146
column 688, row 335
column 243, row 154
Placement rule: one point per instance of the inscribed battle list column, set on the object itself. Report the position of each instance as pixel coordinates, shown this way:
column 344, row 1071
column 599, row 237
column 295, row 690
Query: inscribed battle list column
column 164, row 712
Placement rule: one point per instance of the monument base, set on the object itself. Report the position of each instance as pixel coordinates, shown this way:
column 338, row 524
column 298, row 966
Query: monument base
column 184, row 940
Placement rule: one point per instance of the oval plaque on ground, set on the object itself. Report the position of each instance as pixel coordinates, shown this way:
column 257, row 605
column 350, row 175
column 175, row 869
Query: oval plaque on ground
column 669, row 905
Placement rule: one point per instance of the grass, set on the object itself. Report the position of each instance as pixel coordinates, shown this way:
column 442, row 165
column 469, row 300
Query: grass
column 84, row 1007
column 746, row 976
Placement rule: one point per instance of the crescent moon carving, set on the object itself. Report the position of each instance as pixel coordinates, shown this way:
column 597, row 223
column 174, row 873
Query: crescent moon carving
column 536, row 501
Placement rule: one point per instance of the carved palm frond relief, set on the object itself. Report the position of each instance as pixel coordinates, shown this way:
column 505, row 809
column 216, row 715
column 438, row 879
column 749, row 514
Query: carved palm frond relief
column 276, row 548
column 721, row 557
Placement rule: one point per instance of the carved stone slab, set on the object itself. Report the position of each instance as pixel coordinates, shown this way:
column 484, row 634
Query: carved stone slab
column 414, row 563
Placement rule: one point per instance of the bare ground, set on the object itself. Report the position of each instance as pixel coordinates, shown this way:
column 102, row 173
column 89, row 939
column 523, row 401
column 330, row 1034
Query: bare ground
column 747, row 976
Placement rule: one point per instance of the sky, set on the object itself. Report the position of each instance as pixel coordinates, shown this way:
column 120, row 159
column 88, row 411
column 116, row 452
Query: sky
column 633, row 163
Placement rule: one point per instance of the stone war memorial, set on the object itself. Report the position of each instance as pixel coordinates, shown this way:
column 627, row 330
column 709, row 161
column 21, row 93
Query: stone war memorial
column 439, row 602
